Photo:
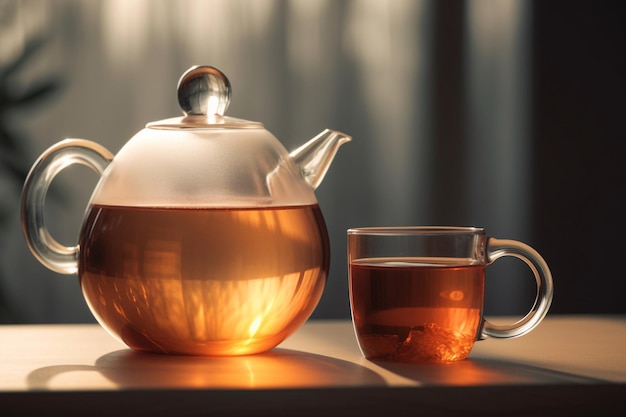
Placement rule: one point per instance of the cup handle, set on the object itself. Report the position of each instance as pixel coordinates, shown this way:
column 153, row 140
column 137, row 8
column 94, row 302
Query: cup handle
column 46, row 249
column 497, row 248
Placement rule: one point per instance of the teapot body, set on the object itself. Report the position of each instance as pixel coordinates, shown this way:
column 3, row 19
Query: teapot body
column 203, row 235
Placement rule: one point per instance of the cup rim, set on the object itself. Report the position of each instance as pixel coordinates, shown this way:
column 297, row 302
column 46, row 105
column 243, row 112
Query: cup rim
column 415, row 230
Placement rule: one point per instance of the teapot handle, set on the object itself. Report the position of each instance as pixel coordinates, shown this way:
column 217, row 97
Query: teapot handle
column 46, row 249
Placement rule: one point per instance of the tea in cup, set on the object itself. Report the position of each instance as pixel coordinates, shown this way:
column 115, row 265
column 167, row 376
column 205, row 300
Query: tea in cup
column 417, row 293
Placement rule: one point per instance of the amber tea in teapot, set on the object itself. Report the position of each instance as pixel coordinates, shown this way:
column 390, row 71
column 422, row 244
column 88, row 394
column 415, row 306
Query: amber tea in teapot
column 203, row 235
column 231, row 280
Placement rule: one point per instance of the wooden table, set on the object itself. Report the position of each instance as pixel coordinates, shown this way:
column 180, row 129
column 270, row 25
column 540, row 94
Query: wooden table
column 570, row 365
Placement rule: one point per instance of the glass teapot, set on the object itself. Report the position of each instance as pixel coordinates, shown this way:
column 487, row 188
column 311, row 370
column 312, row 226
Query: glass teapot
column 203, row 235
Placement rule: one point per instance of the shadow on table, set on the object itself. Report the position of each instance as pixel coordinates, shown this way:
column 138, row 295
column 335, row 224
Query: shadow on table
column 480, row 371
column 274, row 369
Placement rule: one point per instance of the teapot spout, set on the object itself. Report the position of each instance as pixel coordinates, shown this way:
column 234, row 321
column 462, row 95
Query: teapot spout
column 314, row 157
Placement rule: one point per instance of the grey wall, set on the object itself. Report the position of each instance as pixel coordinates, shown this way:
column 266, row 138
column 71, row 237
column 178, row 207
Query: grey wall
column 439, row 96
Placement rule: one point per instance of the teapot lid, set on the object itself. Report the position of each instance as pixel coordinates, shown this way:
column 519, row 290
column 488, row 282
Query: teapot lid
column 203, row 96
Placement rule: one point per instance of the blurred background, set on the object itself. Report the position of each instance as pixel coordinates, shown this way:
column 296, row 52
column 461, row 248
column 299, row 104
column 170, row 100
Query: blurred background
column 503, row 114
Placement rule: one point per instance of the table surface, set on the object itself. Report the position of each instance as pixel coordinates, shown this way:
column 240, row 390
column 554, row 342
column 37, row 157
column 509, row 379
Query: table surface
column 569, row 364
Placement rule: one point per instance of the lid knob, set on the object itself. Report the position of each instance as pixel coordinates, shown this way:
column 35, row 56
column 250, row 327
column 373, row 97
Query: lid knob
column 203, row 90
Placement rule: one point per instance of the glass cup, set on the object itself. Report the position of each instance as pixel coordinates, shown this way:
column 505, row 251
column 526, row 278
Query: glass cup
column 417, row 293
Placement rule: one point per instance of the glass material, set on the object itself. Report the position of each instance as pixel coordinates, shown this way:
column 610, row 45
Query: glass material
column 417, row 293
column 203, row 235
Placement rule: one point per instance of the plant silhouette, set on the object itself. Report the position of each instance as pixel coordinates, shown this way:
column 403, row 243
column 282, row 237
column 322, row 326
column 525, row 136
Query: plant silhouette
column 15, row 159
